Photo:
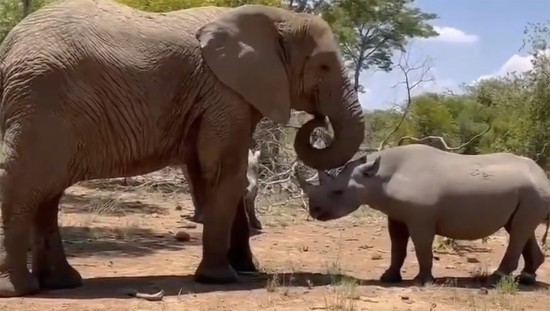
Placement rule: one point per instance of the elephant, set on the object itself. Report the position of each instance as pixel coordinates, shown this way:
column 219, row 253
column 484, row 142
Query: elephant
column 94, row 89
column 425, row 191
column 251, row 192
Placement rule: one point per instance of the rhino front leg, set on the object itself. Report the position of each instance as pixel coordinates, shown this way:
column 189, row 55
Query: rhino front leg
column 399, row 236
column 422, row 235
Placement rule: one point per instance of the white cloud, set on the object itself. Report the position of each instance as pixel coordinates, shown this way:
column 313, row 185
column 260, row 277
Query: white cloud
column 515, row 64
column 452, row 35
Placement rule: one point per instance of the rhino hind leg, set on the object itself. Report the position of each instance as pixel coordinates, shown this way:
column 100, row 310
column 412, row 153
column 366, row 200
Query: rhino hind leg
column 533, row 258
column 521, row 228
column 399, row 237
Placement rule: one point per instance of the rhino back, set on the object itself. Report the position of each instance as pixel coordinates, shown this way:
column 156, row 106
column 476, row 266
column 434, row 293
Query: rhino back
column 466, row 196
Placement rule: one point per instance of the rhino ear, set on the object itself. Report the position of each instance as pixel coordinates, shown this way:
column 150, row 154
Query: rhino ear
column 370, row 168
column 324, row 177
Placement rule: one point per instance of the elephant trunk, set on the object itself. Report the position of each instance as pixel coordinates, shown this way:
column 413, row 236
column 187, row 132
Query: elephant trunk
column 348, row 123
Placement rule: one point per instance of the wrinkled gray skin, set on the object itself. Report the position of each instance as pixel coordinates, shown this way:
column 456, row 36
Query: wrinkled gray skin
column 94, row 89
column 425, row 191
column 252, row 176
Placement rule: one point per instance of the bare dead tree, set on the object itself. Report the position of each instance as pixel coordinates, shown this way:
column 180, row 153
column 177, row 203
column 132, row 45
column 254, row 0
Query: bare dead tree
column 424, row 76
column 26, row 7
column 424, row 68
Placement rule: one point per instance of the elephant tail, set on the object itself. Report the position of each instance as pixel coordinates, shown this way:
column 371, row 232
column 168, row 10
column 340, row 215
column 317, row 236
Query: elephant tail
column 545, row 235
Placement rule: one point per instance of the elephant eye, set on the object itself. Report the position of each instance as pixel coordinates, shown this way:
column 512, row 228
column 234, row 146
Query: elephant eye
column 325, row 68
column 338, row 192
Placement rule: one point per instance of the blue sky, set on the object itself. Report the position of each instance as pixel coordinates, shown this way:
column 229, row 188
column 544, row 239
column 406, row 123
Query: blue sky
column 477, row 39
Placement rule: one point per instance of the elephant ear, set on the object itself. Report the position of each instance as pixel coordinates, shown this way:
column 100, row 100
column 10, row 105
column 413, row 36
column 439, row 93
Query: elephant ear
column 242, row 49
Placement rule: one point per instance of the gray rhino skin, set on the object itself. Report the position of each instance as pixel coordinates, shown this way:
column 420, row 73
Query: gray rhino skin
column 251, row 191
column 425, row 191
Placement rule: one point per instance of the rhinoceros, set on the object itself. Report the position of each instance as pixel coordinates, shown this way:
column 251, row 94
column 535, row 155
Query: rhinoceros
column 425, row 192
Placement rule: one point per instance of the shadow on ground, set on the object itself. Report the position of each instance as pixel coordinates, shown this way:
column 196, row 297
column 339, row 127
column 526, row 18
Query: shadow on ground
column 132, row 184
column 118, row 287
column 110, row 205
column 120, row 242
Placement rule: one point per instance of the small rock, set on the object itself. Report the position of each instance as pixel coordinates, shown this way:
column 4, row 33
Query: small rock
column 436, row 258
column 188, row 226
column 471, row 259
column 305, row 248
column 155, row 215
column 405, row 298
column 450, row 267
column 376, row 257
column 182, row 236
column 178, row 208
column 483, row 291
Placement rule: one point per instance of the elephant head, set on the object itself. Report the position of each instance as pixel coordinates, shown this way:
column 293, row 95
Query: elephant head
column 277, row 60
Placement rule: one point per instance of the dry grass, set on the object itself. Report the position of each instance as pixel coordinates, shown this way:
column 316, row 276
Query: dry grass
column 120, row 237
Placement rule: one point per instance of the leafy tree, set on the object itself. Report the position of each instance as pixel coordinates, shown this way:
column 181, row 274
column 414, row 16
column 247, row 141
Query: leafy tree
column 370, row 31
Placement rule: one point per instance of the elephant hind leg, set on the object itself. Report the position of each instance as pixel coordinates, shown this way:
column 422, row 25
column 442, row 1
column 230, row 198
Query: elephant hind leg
column 189, row 175
column 49, row 262
column 15, row 278
column 250, row 208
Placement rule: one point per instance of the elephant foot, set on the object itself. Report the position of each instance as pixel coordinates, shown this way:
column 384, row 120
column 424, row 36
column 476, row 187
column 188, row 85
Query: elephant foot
column 18, row 284
column 220, row 274
column 255, row 224
column 391, row 276
column 198, row 218
column 61, row 278
column 527, row 278
column 495, row 278
column 242, row 261
column 423, row 280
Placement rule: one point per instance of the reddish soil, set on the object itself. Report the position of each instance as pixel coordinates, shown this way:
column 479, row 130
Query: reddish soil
column 121, row 239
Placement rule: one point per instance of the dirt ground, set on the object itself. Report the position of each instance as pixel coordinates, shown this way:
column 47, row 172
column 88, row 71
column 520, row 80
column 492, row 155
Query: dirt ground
column 121, row 238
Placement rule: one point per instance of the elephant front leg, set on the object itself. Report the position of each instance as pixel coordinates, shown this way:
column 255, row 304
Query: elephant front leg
column 15, row 278
column 399, row 236
column 49, row 262
column 219, row 214
column 240, row 254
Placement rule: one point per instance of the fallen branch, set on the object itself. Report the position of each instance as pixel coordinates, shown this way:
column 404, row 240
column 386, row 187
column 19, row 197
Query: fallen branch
column 439, row 142
column 158, row 296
